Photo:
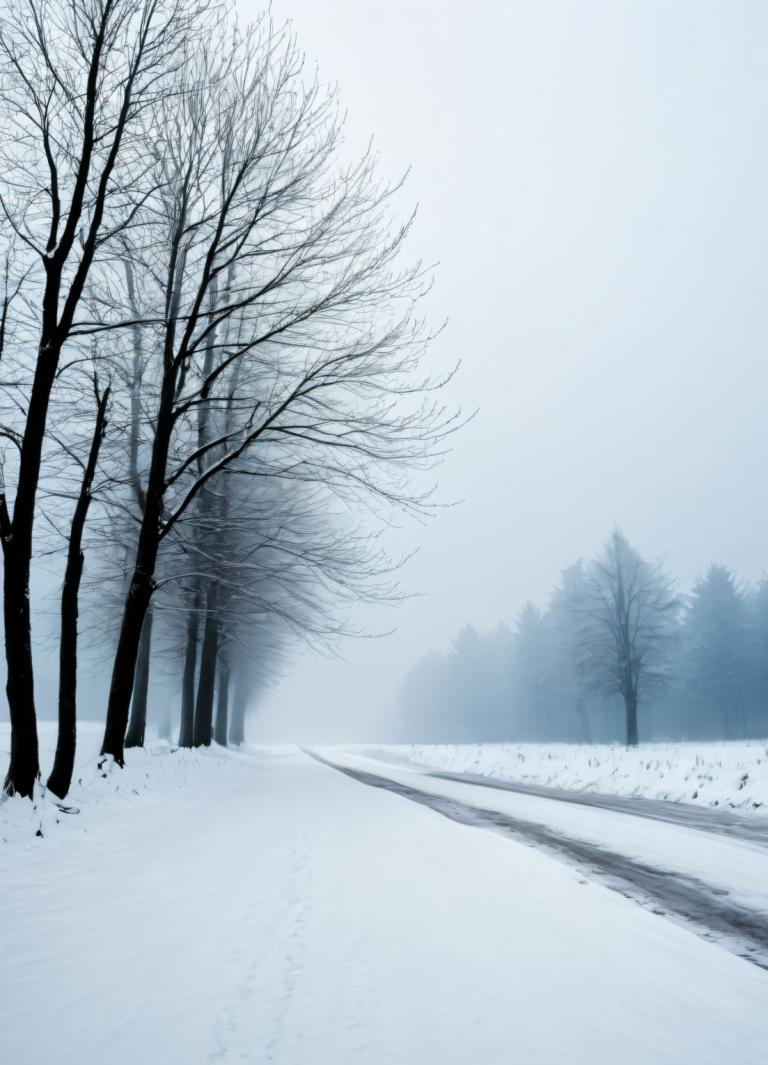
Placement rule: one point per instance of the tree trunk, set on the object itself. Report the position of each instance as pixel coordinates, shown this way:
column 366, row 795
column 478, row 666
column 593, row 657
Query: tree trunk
column 124, row 667
column 17, row 555
column 630, row 703
column 239, row 701
column 222, row 706
column 187, row 724
column 64, row 762
column 24, row 765
column 205, row 685
column 142, row 583
column 137, row 725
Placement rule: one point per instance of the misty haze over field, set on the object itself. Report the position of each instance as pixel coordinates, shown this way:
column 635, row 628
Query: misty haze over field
column 589, row 180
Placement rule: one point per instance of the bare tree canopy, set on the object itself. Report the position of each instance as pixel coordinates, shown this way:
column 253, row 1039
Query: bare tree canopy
column 77, row 82
column 183, row 226
column 628, row 616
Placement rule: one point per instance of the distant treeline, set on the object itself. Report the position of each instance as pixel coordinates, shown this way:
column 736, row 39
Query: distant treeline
column 616, row 655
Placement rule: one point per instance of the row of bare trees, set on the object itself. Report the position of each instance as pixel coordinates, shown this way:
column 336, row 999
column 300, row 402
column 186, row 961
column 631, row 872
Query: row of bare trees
column 210, row 353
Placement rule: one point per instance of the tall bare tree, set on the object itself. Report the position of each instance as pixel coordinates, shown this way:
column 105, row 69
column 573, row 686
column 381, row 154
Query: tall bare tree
column 78, row 78
column 64, row 761
column 277, row 266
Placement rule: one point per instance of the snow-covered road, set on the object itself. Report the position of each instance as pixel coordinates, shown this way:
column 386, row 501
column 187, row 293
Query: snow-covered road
column 276, row 910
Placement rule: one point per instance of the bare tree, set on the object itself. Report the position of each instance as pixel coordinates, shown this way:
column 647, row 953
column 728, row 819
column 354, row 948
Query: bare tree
column 628, row 617
column 64, row 761
column 134, row 379
column 277, row 268
column 274, row 556
column 77, row 79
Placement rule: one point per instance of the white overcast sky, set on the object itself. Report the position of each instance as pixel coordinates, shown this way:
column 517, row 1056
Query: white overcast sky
column 592, row 177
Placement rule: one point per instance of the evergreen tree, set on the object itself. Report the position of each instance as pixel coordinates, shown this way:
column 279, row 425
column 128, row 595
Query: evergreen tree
column 759, row 654
column 716, row 636
column 533, row 645
column 565, row 614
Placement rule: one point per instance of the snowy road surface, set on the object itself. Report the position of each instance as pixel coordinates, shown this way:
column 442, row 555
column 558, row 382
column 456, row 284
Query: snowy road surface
column 271, row 909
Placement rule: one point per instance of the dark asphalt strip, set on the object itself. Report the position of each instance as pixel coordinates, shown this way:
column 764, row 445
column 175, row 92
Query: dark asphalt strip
column 708, row 910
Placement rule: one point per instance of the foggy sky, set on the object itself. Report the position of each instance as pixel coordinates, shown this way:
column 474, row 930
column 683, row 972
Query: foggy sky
column 592, row 178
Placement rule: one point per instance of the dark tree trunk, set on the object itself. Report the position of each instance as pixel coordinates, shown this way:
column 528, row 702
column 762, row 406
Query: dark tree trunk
column 222, row 705
column 137, row 725
column 187, row 724
column 24, row 765
column 64, row 762
column 237, row 723
column 124, row 668
column 630, row 704
column 205, row 686
column 142, row 583
column 17, row 555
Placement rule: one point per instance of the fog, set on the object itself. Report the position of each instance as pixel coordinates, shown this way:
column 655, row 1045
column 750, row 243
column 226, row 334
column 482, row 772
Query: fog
column 591, row 179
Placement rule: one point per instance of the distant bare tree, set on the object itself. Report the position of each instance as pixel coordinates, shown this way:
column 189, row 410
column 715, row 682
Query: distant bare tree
column 628, row 618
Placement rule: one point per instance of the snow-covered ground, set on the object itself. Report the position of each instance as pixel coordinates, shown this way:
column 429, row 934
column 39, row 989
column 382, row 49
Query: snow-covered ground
column 104, row 797
column 260, row 907
column 732, row 775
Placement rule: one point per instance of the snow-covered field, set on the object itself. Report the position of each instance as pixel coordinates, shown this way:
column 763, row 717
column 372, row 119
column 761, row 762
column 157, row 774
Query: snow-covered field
column 260, row 907
column 732, row 775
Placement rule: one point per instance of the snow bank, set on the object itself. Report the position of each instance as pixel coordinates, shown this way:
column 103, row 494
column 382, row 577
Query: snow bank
column 100, row 791
column 733, row 774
